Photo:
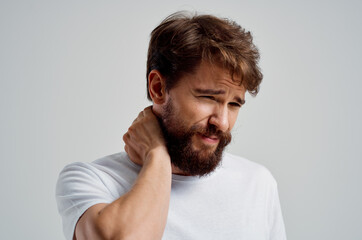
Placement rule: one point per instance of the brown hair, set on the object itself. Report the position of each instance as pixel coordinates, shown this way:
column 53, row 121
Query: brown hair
column 181, row 41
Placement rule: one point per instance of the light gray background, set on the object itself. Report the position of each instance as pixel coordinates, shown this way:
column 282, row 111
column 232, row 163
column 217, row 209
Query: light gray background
column 73, row 79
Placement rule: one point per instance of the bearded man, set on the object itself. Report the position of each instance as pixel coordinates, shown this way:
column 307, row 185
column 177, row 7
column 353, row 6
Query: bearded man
column 173, row 180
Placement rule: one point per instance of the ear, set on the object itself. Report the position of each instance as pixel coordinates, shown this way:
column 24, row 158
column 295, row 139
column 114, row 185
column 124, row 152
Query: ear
column 157, row 86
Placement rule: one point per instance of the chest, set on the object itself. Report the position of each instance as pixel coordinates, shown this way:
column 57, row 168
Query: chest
column 216, row 212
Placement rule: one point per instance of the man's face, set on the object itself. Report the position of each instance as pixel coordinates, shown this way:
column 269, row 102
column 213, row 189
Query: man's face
column 197, row 118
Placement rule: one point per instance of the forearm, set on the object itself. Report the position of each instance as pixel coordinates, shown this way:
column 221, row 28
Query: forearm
column 142, row 212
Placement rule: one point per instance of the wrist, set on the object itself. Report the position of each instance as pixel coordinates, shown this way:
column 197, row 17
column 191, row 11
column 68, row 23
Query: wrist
column 158, row 154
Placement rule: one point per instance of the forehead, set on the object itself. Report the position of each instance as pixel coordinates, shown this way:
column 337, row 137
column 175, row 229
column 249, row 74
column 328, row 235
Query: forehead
column 213, row 76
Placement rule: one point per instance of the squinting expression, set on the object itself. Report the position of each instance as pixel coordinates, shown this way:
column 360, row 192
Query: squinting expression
column 201, row 109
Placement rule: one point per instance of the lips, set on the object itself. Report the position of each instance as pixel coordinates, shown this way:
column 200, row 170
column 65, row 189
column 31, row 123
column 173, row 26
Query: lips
column 209, row 139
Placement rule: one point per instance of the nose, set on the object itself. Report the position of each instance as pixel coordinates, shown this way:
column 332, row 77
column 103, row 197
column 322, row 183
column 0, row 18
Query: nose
column 220, row 118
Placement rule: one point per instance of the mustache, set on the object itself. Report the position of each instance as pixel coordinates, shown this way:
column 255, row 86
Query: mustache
column 211, row 130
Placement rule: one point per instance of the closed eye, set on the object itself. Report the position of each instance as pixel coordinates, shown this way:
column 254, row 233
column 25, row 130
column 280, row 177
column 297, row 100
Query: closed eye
column 208, row 97
column 235, row 104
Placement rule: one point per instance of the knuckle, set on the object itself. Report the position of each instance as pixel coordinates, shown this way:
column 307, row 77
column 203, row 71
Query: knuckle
column 131, row 128
column 125, row 136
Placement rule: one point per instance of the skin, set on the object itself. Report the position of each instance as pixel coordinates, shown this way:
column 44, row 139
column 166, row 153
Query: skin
column 209, row 96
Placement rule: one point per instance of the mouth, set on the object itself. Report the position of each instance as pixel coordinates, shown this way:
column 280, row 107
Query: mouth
column 212, row 139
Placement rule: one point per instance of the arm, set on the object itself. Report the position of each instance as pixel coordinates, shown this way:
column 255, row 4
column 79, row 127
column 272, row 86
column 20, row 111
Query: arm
column 142, row 212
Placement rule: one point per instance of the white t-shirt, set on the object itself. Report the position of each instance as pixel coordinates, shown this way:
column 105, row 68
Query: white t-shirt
column 239, row 200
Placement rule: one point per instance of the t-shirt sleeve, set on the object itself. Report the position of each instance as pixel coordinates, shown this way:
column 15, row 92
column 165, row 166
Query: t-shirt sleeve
column 276, row 223
column 78, row 188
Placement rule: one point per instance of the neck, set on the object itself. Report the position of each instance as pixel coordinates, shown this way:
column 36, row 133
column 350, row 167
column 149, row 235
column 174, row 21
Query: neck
column 177, row 171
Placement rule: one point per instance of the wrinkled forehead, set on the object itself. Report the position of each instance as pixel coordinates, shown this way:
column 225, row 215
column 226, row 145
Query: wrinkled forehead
column 212, row 76
column 216, row 66
column 226, row 60
column 221, row 72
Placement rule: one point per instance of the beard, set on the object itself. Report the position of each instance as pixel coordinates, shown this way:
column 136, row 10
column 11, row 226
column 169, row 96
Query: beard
column 180, row 147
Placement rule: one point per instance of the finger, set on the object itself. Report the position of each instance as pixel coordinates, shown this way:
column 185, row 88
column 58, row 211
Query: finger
column 140, row 115
column 126, row 137
column 147, row 110
column 133, row 155
column 132, row 139
column 129, row 148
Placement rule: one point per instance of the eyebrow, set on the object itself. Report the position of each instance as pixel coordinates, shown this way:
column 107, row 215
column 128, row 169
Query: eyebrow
column 209, row 91
column 217, row 92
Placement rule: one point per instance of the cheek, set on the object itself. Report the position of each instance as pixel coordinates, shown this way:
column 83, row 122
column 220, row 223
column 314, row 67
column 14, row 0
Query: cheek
column 195, row 112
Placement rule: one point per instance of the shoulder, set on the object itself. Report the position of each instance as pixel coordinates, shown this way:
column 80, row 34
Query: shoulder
column 82, row 185
column 117, row 162
column 240, row 166
column 113, row 170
